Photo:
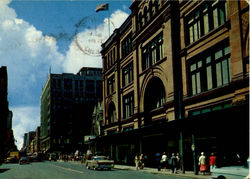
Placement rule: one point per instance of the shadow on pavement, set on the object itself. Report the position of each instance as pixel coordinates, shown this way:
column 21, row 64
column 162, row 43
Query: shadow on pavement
column 3, row 170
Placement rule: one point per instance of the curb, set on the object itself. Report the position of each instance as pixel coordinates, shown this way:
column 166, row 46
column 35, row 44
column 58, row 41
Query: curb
column 150, row 170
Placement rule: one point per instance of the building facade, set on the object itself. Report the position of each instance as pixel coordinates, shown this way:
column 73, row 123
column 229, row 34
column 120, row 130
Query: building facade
column 67, row 103
column 6, row 133
column 174, row 76
column 28, row 142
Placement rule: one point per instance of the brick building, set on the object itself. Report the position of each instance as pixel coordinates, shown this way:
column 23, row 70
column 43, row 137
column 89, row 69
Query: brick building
column 175, row 79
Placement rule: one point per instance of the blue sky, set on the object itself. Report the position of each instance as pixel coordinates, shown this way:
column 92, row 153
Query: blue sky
column 36, row 35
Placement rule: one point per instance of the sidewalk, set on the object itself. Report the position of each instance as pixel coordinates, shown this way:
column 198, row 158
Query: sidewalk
column 188, row 174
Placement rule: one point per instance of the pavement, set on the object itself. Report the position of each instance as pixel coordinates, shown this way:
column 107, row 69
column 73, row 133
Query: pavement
column 188, row 174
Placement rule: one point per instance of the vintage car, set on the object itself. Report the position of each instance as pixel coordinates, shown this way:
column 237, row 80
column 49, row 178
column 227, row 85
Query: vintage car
column 231, row 172
column 100, row 162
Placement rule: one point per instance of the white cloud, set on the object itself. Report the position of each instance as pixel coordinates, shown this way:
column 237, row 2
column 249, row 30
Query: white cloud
column 28, row 55
column 25, row 119
column 85, row 49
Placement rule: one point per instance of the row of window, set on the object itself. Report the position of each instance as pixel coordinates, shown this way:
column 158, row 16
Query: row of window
column 152, row 52
column 206, row 18
column 206, row 71
column 128, row 108
column 127, row 78
column 110, row 58
column 210, row 70
column 148, row 13
column 127, row 45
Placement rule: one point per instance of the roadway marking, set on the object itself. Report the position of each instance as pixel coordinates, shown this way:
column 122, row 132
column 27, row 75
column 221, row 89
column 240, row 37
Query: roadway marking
column 69, row 169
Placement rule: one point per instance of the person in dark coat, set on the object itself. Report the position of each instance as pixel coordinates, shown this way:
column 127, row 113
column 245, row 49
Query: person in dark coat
column 173, row 163
column 158, row 161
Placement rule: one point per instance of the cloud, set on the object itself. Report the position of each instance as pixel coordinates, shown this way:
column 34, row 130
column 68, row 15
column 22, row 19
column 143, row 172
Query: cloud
column 28, row 55
column 84, row 51
column 25, row 51
column 25, row 119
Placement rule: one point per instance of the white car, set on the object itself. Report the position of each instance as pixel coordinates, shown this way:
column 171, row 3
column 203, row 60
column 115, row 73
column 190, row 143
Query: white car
column 100, row 162
column 231, row 172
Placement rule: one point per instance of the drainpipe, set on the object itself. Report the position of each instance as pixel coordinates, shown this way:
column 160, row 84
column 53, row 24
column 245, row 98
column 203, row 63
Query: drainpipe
column 177, row 71
column 193, row 147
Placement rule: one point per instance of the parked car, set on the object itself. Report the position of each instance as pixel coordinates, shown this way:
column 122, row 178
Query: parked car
column 231, row 172
column 24, row 160
column 100, row 162
column 11, row 159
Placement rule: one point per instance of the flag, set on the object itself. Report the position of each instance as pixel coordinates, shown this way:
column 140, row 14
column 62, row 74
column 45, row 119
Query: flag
column 102, row 7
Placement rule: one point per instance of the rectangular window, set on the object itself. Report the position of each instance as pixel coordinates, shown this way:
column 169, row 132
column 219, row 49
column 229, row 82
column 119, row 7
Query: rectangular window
column 111, row 85
column 128, row 105
column 127, row 45
column 152, row 52
column 127, row 74
column 206, row 18
column 210, row 71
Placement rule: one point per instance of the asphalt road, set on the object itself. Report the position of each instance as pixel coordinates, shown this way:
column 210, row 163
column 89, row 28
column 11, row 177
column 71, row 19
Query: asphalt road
column 69, row 170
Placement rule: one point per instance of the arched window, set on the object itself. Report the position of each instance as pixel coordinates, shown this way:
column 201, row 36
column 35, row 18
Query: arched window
column 145, row 15
column 152, row 9
column 111, row 113
column 156, row 4
column 154, row 95
column 140, row 21
column 159, row 4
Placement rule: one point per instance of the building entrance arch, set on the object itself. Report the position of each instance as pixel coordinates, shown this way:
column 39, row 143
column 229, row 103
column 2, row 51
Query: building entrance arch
column 155, row 96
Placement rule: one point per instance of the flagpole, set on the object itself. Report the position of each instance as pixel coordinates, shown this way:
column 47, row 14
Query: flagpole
column 109, row 18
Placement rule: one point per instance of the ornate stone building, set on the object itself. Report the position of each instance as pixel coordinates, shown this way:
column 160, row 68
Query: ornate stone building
column 175, row 79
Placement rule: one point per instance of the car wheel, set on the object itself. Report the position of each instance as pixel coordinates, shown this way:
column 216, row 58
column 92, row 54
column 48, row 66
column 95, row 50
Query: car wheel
column 95, row 168
column 221, row 177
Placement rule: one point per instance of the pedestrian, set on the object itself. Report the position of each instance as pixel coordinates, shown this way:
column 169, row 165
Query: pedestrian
column 145, row 159
column 164, row 159
column 212, row 161
column 179, row 161
column 173, row 161
column 158, row 159
column 202, row 163
column 141, row 162
column 137, row 160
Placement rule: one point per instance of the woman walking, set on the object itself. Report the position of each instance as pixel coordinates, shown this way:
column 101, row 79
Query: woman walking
column 202, row 163
column 137, row 160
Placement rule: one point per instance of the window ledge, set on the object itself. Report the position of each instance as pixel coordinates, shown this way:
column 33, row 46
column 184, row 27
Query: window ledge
column 127, row 85
column 152, row 66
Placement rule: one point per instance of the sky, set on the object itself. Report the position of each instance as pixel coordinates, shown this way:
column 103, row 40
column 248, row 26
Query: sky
column 39, row 35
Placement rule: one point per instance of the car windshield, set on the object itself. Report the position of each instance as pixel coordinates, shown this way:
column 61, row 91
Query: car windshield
column 100, row 158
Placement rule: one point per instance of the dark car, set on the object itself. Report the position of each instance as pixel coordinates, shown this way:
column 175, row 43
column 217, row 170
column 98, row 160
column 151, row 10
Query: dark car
column 23, row 160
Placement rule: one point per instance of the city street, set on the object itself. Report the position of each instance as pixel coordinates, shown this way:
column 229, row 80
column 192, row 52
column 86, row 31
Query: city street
column 68, row 170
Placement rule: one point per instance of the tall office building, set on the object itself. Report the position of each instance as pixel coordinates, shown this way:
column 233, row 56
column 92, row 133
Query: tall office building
column 67, row 103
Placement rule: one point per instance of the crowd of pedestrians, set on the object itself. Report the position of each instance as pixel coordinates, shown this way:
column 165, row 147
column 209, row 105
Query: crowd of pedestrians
column 162, row 161
column 174, row 162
